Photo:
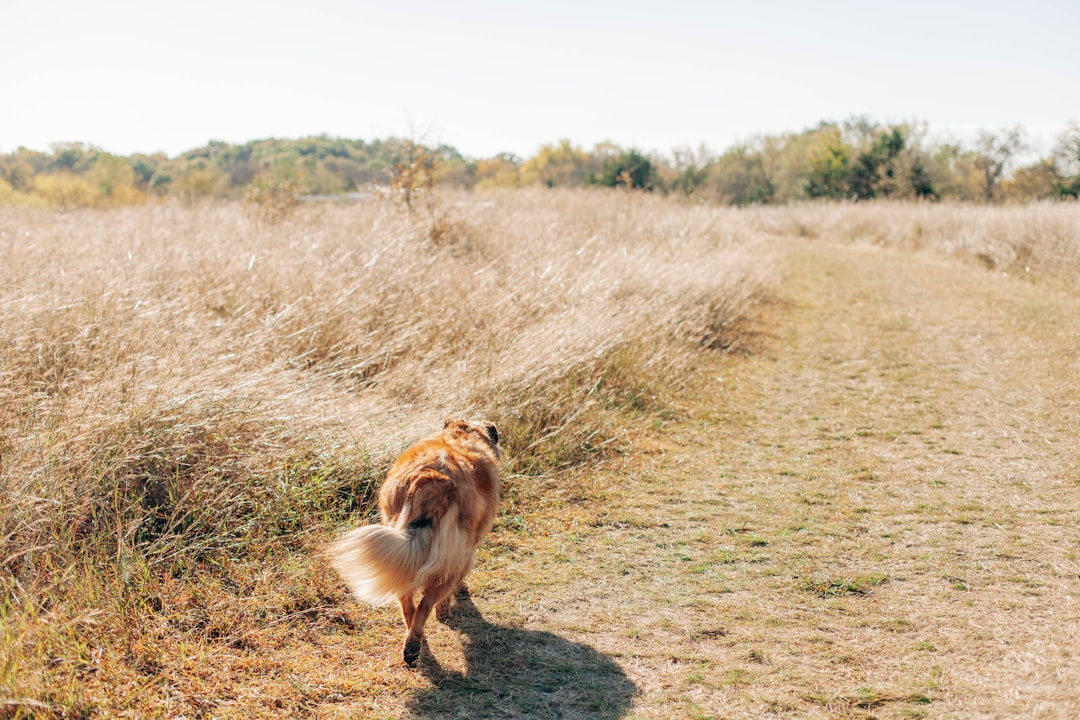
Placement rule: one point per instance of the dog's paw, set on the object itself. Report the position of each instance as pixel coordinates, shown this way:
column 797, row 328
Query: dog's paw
column 411, row 651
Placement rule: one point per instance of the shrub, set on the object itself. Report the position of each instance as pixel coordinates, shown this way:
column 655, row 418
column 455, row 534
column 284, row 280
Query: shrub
column 629, row 169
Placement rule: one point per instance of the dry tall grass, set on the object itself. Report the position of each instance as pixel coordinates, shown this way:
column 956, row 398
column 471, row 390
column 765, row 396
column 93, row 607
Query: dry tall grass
column 191, row 398
column 1039, row 238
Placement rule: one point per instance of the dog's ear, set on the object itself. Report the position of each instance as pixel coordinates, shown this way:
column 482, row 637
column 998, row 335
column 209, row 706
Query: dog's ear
column 493, row 433
column 447, row 422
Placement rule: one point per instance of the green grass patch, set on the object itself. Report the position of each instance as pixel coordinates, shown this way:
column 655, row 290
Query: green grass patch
column 834, row 587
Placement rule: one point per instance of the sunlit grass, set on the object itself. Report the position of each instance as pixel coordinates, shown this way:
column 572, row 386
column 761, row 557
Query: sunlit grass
column 194, row 398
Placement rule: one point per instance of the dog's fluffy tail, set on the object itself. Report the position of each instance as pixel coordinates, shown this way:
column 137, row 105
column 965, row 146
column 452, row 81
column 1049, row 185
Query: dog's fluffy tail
column 381, row 563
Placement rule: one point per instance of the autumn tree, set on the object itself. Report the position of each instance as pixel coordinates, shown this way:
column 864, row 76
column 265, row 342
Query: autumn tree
column 113, row 181
column 20, row 167
column 412, row 174
column 64, row 190
column 502, row 170
column 201, row 182
column 10, row 196
column 1039, row 181
column 561, row 164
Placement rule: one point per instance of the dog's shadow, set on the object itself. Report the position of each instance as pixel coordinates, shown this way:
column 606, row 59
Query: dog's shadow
column 512, row 672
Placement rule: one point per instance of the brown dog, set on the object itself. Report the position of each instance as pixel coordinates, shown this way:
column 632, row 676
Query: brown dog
column 439, row 499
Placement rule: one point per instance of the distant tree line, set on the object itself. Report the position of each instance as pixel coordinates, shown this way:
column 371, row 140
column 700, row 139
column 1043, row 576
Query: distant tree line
column 857, row 159
column 76, row 174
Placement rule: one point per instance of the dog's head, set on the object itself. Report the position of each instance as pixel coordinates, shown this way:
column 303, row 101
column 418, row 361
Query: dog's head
column 483, row 431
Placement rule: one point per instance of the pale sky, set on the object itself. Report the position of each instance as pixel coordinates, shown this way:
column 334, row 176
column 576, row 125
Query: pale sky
column 486, row 76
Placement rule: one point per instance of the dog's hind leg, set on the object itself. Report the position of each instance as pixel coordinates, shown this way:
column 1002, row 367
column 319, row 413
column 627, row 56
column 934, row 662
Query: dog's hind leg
column 414, row 636
column 408, row 608
column 444, row 608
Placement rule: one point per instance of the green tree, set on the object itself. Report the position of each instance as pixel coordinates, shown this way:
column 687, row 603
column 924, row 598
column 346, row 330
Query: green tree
column 145, row 167
column 875, row 171
column 74, row 157
column 630, row 169
column 888, row 162
column 827, row 174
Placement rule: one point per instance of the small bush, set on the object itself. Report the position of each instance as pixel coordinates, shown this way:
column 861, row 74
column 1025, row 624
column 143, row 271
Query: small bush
column 272, row 199
column 630, row 170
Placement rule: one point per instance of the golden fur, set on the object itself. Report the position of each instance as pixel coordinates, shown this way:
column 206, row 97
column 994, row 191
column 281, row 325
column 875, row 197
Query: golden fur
column 438, row 501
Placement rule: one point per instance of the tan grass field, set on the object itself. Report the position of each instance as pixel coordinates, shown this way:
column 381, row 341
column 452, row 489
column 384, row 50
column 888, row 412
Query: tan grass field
column 759, row 465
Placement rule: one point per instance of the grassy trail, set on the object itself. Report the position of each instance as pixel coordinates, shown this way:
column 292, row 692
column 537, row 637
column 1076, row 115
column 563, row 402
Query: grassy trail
column 877, row 514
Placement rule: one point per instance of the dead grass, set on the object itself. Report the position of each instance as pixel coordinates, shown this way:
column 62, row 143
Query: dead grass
column 193, row 398
column 873, row 514
column 1037, row 240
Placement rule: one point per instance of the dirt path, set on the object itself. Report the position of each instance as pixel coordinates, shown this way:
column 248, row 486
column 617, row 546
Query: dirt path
column 878, row 515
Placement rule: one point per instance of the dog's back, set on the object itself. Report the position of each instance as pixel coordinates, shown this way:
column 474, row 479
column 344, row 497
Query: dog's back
column 439, row 499
column 455, row 467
